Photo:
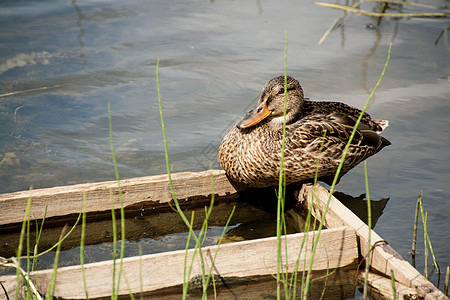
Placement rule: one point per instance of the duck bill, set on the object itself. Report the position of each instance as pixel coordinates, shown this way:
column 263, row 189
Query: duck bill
column 254, row 117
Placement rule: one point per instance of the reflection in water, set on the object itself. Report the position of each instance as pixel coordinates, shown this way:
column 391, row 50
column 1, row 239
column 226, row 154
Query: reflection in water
column 324, row 285
column 359, row 206
column 371, row 52
column 365, row 62
column 340, row 23
column 259, row 6
column 443, row 34
column 82, row 31
column 265, row 227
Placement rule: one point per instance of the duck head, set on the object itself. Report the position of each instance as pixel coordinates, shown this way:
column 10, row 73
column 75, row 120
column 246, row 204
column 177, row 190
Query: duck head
column 270, row 105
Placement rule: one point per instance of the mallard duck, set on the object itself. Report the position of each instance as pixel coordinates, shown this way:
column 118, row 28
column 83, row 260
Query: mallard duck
column 316, row 135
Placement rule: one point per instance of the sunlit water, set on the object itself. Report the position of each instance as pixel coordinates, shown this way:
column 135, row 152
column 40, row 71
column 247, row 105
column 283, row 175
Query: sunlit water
column 214, row 59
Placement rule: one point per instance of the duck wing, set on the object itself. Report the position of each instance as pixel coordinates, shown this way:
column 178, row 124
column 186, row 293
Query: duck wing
column 321, row 108
column 324, row 134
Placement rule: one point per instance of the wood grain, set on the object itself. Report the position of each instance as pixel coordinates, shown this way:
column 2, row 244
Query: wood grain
column 383, row 258
column 337, row 248
column 382, row 286
column 235, row 259
column 66, row 200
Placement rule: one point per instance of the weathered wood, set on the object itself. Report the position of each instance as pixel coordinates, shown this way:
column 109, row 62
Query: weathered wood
column 337, row 248
column 155, row 191
column 382, row 286
column 383, row 258
column 65, row 200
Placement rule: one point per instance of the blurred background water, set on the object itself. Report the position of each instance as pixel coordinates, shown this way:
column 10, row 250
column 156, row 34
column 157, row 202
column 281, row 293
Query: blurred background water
column 215, row 57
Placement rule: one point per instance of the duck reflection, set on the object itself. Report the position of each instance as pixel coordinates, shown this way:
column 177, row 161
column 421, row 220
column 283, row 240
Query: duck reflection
column 266, row 199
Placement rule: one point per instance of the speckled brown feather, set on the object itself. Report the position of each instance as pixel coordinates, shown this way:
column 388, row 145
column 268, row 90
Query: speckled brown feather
column 315, row 137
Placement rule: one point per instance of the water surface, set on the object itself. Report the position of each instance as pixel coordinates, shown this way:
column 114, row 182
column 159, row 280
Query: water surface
column 215, row 58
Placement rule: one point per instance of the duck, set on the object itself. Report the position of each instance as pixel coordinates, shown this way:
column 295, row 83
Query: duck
column 316, row 134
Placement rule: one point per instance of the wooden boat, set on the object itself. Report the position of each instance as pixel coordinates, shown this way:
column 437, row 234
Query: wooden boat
column 341, row 246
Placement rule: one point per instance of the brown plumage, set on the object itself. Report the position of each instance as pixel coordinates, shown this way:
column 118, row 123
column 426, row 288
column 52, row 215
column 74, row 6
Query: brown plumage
column 316, row 132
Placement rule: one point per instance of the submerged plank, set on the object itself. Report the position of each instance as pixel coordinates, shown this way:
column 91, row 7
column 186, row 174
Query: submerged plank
column 66, row 200
column 383, row 258
column 247, row 221
column 323, row 286
column 337, row 248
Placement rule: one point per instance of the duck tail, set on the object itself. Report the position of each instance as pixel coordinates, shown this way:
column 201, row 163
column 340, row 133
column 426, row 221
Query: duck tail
column 382, row 123
column 384, row 142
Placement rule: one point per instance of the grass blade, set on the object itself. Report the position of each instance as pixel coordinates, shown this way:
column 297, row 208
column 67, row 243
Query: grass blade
column 83, row 234
column 394, row 292
column 52, row 281
column 122, row 212
column 369, row 224
column 336, row 177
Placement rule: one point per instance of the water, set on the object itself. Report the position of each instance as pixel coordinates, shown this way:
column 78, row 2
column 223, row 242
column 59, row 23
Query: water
column 215, row 58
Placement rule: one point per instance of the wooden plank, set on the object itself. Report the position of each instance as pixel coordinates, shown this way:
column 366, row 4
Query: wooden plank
column 384, row 258
column 65, row 200
column 382, row 286
column 337, row 248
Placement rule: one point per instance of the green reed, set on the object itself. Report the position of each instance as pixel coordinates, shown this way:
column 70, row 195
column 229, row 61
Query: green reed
column 414, row 241
column 31, row 259
column 122, row 212
column 447, row 276
column 187, row 273
column 199, row 239
column 39, row 231
column 394, row 292
column 83, row 235
column 52, row 280
column 281, row 277
column 336, row 177
column 281, row 182
column 306, row 276
column 59, row 241
column 427, row 241
column 114, row 254
column 3, row 160
column 369, row 225
column 19, row 248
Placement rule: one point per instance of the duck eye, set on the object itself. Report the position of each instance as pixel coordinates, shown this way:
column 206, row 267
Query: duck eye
column 280, row 91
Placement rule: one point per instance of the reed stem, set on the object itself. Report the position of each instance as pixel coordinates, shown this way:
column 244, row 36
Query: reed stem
column 447, row 275
column 122, row 212
column 52, row 282
column 281, row 178
column 394, row 292
column 416, row 218
column 83, row 236
column 369, row 224
column 19, row 248
column 336, row 177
